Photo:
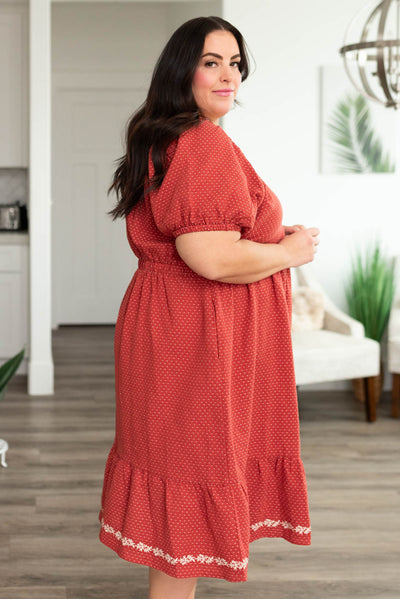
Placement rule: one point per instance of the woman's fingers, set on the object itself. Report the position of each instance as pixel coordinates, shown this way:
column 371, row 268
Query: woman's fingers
column 289, row 230
column 316, row 243
column 293, row 228
column 314, row 231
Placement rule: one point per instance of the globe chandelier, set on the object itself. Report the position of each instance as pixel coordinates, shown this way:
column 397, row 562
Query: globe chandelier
column 371, row 52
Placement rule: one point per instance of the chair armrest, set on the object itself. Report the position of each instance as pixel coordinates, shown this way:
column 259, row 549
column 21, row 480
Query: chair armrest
column 394, row 316
column 334, row 319
column 394, row 322
column 339, row 322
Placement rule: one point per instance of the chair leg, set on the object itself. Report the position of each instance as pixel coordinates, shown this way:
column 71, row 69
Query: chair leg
column 371, row 397
column 395, row 395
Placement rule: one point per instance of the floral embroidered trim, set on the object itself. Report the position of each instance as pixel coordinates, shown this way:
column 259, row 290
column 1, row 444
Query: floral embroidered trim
column 299, row 529
column 203, row 559
column 186, row 559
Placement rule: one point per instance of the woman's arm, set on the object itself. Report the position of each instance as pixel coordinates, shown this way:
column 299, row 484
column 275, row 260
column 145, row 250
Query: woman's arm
column 223, row 256
column 250, row 261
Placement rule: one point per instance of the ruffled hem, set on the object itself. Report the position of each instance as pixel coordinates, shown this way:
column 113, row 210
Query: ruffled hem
column 278, row 499
column 189, row 529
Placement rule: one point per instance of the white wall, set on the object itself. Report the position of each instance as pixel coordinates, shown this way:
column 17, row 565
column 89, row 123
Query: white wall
column 278, row 130
column 105, row 36
column 179, row 12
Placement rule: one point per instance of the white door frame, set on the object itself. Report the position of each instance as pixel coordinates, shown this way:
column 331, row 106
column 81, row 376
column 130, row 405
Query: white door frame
column 40, row 365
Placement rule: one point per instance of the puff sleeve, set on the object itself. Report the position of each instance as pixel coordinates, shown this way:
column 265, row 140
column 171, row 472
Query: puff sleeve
column 205, row 188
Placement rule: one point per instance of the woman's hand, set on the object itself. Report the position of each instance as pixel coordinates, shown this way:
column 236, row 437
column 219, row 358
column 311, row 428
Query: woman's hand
column 301, row 244
column 292, row 229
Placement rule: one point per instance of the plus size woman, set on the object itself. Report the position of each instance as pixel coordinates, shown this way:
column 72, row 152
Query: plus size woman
column 206, row 456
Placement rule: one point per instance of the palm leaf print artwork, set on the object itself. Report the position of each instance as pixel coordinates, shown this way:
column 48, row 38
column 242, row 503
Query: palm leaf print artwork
column 357, row 148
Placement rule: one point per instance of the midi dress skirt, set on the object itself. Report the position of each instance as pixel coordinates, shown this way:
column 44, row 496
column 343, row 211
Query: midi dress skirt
column 206, row 457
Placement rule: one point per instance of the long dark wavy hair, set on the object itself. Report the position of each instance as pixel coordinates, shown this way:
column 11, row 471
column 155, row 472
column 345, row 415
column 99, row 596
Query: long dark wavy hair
column 169, row 110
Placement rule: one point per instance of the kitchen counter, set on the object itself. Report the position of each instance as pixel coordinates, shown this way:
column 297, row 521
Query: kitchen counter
column 14, row 238
column 14, row 284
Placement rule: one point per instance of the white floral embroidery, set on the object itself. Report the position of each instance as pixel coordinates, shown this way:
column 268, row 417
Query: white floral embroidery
column 203, row 559
column 186, row 559
column 299, row 529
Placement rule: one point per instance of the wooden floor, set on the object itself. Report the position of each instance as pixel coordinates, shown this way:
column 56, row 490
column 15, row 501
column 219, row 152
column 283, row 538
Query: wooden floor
column 50, row 494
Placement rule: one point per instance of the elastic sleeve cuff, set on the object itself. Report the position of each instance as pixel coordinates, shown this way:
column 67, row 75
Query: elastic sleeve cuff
column 210, row 226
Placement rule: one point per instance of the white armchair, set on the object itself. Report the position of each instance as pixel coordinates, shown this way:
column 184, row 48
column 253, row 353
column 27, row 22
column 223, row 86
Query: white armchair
column 394, row 343
column 338, row 351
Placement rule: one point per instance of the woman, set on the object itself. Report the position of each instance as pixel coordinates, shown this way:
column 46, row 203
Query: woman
column 206, row 456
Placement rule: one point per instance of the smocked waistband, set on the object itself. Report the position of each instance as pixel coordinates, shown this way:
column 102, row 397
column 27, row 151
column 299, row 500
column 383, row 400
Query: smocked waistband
column 177, row 267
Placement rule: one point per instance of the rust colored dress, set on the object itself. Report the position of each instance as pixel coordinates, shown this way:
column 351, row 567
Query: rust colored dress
column 206, row 456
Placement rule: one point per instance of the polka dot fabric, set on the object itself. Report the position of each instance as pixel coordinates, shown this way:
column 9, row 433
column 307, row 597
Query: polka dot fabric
column 206, row 455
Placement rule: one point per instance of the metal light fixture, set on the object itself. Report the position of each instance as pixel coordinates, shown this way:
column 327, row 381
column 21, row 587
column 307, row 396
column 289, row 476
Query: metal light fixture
column 373, row 62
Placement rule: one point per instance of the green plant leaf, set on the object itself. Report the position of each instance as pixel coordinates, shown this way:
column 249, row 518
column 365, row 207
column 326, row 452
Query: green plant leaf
column 8, row 369
column 370, row 290
column 356, row 146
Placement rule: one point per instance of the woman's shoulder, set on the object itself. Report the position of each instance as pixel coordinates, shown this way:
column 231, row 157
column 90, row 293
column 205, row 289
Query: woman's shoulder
column 205, row 134
column 202, row 143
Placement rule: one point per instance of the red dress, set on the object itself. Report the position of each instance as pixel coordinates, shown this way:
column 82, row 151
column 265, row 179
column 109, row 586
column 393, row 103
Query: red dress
column 206, row 456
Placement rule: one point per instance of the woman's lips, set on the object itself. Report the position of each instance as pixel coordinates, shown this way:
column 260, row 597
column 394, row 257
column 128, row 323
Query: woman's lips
column 223, row 93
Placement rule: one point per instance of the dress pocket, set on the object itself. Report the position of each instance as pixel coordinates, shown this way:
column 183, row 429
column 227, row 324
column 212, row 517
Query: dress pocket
column 217, row 338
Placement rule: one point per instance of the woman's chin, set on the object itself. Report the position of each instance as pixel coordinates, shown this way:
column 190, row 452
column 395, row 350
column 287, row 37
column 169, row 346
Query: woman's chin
column 217, row 115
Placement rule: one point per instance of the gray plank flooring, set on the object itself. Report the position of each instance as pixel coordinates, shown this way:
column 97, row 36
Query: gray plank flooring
column 50, row 493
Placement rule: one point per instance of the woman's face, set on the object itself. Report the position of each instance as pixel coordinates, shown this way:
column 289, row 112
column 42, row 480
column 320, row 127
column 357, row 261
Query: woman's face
column 218, row 69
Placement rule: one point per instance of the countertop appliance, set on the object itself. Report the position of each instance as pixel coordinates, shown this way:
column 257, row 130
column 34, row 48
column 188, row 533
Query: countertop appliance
column 13, row 217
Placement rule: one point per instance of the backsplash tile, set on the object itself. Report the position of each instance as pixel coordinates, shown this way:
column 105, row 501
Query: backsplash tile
column 13, row 185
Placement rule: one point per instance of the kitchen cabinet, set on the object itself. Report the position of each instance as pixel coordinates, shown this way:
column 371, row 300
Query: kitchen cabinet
column 14, row 78
column 14, row 294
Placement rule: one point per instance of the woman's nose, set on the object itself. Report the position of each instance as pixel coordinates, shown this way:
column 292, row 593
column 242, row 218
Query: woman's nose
column 226, row 74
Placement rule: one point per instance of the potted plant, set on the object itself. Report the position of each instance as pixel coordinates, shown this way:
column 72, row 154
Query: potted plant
column 369, row 295
column 7, row 370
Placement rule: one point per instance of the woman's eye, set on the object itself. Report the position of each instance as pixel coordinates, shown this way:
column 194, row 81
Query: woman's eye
column 211, row 62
